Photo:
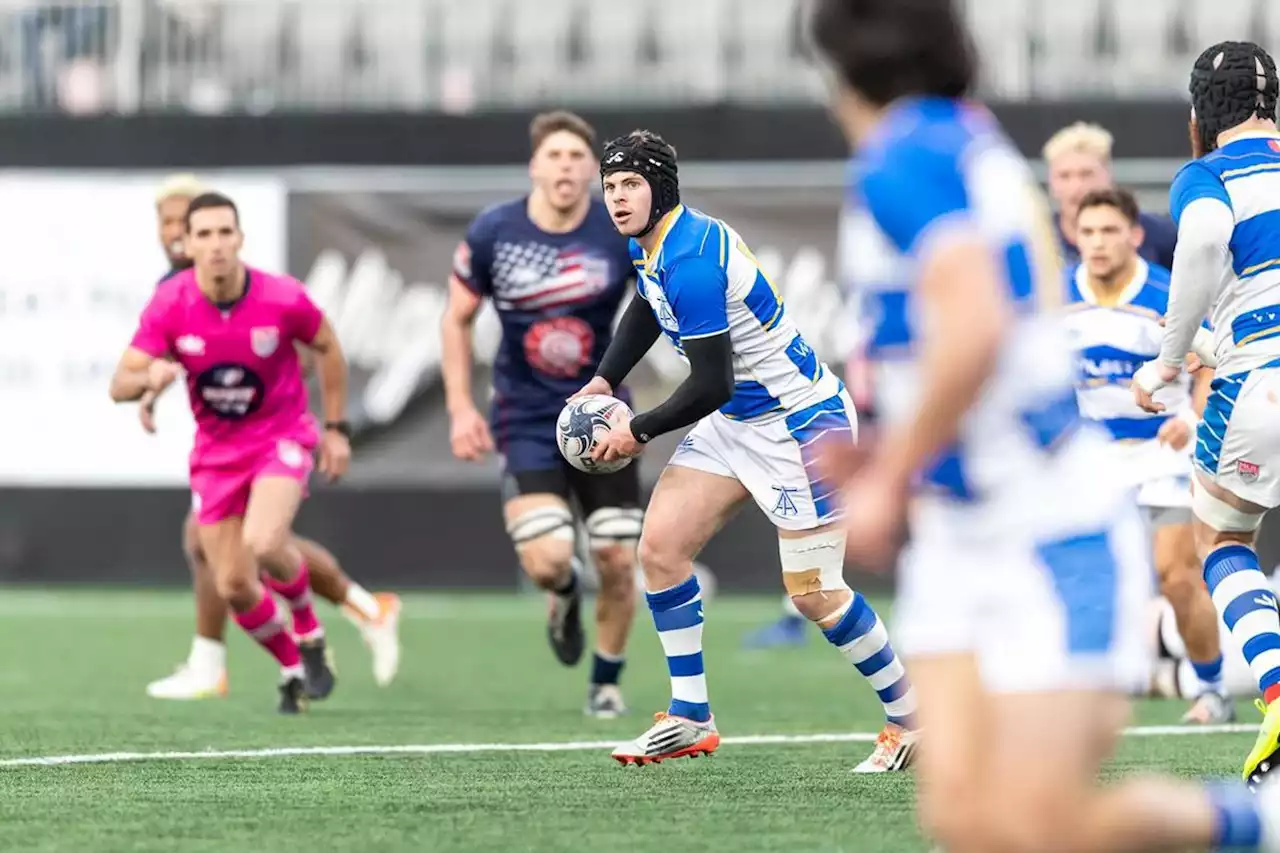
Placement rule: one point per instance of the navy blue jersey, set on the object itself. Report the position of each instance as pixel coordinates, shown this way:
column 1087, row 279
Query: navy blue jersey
column 1159, row 237
column 183, row 267
column 556, row 295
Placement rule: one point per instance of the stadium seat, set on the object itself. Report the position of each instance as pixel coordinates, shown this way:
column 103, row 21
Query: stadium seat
column 541, row 48
column 1067, row 42
column 468, row 31
column 1145, row 58
column 762, row 43
column 1001, row 30
column 250, row 35
column 325, row 34
column 691, row 39
column 613, row 57
column 394, row 34
column 1219, row 20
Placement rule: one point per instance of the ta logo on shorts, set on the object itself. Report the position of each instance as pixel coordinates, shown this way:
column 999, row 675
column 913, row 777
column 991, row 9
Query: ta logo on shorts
column 785, row 506
column 1248, row 471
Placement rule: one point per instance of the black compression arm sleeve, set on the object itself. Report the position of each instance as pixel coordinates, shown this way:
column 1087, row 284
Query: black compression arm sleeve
column 636, row 333
column 708, row 387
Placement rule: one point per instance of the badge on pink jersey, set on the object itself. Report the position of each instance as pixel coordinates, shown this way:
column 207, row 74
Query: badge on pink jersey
column 263, row 340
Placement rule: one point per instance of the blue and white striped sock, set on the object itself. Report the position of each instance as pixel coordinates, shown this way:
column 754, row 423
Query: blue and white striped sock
column 1237, row 817
column 861, row 637
column 1243, row 596
column 1209, row 674
column 677, row 614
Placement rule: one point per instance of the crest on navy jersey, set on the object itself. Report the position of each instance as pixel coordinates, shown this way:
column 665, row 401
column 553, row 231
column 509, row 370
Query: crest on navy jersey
column 264, row 340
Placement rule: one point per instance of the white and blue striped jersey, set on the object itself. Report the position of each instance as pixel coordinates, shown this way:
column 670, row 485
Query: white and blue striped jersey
column 935, row 168
column 1244, row 175
column 702, row 280
column 1113, row 336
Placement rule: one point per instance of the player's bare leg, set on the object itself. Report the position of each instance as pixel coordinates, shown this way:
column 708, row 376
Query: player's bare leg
column 268, row 539
column 953, row 707
column 1182, row 584
column 615, row 609
column 376, row 615
column 255, row 609
column 204, row 673
column 687, row 508
column 813, row 574
column 1053, row 801
column 541, row 527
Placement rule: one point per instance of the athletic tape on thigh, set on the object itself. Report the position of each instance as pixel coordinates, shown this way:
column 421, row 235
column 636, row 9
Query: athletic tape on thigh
column 1222, row 516
column 610, row 525
column 813, row 563
column 553, row 521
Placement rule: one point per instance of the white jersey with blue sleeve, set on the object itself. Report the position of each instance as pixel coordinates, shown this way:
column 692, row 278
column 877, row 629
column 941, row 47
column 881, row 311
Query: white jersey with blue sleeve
column 1236, row 191
column 702, row 280
column 1025, row 551
column 1113, row 335
column 1244, row 175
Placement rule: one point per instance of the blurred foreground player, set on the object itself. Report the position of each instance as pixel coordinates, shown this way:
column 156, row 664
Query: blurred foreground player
column 760, row 404
column 1116, row 301
column 1022, row 587
column 556, row 272
column 204, row 673
column 233, row 331
column 1228, row 262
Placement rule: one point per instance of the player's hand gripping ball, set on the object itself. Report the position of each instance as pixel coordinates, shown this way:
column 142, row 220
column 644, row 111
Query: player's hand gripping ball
column 582, row 423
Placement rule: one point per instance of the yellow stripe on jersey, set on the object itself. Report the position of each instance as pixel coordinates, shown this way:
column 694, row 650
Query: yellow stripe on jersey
column 1257, row 268
column 1046, row 253
column 664, row 228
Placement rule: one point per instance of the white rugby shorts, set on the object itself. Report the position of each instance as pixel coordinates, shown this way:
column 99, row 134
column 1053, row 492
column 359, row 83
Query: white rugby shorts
column 1044, row 580
column 776, row 461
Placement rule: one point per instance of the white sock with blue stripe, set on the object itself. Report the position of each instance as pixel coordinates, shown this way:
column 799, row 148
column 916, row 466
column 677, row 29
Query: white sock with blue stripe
column 677, row 614
column 861, row 637
column 1243, row 596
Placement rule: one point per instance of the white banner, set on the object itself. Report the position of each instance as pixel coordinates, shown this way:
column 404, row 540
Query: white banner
column 81, row 257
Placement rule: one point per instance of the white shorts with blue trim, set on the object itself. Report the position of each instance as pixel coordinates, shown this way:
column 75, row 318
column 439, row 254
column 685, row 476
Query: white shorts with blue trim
column 1238, row 439
column 1045, row 581
column 776, row 461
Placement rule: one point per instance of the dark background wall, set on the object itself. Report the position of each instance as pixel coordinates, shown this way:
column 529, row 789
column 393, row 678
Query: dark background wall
column 1142, row 129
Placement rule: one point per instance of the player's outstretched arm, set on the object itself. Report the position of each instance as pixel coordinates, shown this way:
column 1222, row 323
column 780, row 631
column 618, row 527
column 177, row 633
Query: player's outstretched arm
column 963, row 296
column 637, row 330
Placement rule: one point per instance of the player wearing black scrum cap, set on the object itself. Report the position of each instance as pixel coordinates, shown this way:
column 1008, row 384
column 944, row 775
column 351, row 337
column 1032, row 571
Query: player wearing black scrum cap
column 760, row 405
column 1227, row 266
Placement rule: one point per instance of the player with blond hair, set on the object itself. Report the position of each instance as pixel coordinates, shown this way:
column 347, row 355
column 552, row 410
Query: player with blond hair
column 1078, row 160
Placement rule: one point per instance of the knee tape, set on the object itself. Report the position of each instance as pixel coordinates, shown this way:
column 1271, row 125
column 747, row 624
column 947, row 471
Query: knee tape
column 610, row 526
column 813, row 563
column 1222, row 516
column 553, row 521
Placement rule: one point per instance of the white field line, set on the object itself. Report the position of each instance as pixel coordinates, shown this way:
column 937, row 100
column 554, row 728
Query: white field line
column 565, row 746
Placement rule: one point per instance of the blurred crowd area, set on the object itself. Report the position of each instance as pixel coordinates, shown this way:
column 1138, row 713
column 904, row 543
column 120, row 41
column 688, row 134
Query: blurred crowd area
column 218, row 56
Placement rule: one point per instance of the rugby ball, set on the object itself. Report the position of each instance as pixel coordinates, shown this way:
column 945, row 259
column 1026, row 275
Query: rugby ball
column 581, row 425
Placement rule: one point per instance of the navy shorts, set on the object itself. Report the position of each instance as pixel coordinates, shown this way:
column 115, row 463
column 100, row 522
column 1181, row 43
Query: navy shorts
column 535, row 466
